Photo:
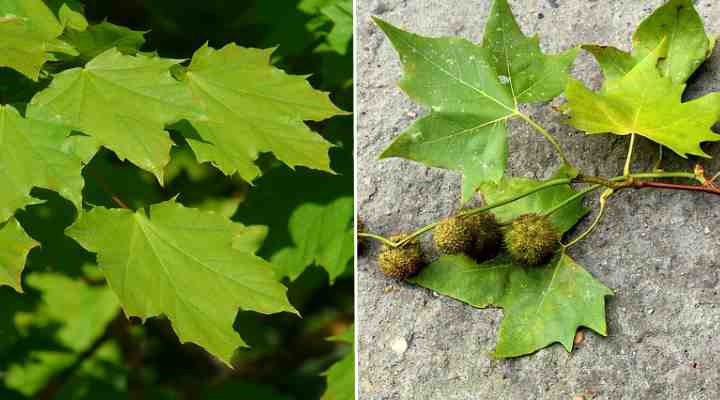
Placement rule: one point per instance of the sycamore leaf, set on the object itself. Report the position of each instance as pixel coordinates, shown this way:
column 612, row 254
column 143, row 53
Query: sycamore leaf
column 341, row 375
column 15, row 245
column 646, row 103
column 676, row 22
column 472, row 90
column 34, row 154
column 564, row 219
column 74, row 313
column 181, row 263
column 253, row 107
column 28, row 33
column 542, row 305
column 688, row 45
column 123, row 101
column 97, row 39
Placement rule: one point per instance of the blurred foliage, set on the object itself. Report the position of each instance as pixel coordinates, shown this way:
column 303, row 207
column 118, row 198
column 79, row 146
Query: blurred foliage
column 288, row 355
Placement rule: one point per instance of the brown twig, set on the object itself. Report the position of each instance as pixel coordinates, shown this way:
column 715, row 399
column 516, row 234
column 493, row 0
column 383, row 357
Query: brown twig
column 107, row 188
column 56, row 383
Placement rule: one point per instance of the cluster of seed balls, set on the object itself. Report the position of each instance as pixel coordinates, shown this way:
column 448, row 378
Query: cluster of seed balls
column 530, row 240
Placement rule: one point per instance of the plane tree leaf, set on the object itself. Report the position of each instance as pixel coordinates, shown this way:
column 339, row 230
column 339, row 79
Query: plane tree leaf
column 542, row 305
column 253, row 107
column 28, row 34
column 35, row 154
column 472, row 90
column 678, row 23
column 122, row 101
column 184, row 264
column 564, row 219
column 647, row 103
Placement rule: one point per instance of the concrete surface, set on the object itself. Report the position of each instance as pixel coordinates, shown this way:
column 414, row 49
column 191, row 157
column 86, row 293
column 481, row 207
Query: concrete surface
column 657, row 250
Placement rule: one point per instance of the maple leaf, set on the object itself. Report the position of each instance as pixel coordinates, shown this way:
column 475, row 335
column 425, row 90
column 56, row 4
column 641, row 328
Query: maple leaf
column 98, row 38
column 307, row 226
column 29, row 32
column 123, row 101
column 173, row 261
column 645, row 102
column 15, row 245
column 73, row 322
column 677, row 22
column 35, row 154
column 472, row 91
column 543, row 305
column 253, row 107
column 341, row 375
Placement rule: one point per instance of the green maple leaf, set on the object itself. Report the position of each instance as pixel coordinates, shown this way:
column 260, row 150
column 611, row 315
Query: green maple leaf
column 341, row 14
column 645, row 102
column 307, row 226
column 542, row 305
column 123, row 101
column 253, row 107
column 28, row 34
column 564, row 219
column 677, row 22
column 472, row 91
column 98, row 38
column 341, row 375
column 75, row 313
column 185, row 264
column 35, row 154
column 15, row 245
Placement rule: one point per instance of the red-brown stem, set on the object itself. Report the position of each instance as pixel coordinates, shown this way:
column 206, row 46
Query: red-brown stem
column 676, row 186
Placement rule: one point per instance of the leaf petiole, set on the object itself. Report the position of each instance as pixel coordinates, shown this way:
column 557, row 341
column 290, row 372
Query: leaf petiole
column 550, row 138
column 603, row 202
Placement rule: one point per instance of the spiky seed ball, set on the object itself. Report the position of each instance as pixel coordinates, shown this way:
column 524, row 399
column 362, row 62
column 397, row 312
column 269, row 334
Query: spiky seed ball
column 452, row 236
column 531, row 239
column 400, row 262
column 486, row 236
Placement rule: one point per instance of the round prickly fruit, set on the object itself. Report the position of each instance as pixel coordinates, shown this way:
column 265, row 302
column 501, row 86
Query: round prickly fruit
column 452, row 236
column 486, row 236
column 400, row 262
column 531, row 239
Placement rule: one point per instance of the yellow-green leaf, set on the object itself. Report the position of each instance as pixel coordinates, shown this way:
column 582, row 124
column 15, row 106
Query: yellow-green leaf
column 253, row 107
column 123, row 101
column 185, row 264
column 646, row 103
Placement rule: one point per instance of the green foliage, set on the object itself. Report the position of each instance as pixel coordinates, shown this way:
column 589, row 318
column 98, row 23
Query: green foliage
column 472, row 91
column 646, row 103
column 30, row 33
column 542, row 305
column 143, row 159
column 168, row 261
column 341, row 376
